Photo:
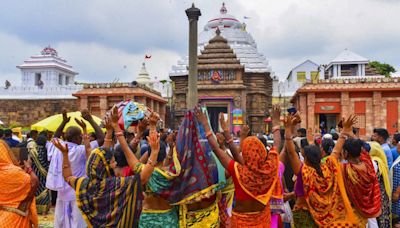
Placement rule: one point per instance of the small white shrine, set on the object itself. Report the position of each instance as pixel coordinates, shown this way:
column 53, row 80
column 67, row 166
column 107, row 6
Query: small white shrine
column 43, row 76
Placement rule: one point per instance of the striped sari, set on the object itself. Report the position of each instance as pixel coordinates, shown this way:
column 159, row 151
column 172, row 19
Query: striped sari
column 106, row 200
column 40, row 166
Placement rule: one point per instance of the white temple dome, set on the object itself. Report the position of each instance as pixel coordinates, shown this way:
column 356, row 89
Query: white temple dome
column 143, row 77
column 242, row 43
column 223, row 20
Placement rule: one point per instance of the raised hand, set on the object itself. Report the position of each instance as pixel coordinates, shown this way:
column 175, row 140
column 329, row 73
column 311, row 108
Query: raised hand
column 154, row 141
column 244, row 132
column 224, row 123
column 153, row 118
column 58, row 145
column 349, row 123
column 142, row 125
column 86, row 115
column 113, row 115
column 201, row 117
column 276, row 114
column 107, row 122
column 66, row 119
column 81, row 123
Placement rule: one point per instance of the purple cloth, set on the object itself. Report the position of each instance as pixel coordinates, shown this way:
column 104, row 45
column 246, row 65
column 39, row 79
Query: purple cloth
column 298, row 187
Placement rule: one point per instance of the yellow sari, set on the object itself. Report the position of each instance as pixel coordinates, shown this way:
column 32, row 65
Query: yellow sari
column 17, row 204
column 327, row 198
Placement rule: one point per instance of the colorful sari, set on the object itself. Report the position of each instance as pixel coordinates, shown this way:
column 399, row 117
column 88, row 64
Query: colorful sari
column 17, row 204
column 327, row 198
column 257, row 177
column 106, row 200
column 159, row 218
column 378, row 155
column 40, row 166
column 160, row 182
column 225, row 203
column 362, row 187
column 208, row 217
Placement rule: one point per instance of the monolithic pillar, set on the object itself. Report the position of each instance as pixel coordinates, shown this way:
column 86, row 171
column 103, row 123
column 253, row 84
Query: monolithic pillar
column 193, row 15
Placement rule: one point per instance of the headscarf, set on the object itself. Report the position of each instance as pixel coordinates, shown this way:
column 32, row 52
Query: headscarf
column 106, row 200
column 15, row 190
column 259, row 173
column 377, row 154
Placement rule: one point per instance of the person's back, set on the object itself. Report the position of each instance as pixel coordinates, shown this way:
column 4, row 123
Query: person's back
column 9, row 139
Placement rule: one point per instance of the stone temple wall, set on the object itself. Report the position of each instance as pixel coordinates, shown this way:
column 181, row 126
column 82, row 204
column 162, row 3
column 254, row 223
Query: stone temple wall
column 28, row 112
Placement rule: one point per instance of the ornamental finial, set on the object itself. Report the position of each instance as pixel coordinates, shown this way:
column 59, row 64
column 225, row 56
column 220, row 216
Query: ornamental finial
column 223, row 9
column 218, row 32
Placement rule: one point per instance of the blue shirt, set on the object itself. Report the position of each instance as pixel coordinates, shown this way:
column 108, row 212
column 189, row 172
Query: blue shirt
column 388, row 154
column 11, row 142
column 395, row 154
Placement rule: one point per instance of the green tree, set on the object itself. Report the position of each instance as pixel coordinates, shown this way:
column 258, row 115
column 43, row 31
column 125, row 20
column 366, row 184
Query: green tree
column 383, row 68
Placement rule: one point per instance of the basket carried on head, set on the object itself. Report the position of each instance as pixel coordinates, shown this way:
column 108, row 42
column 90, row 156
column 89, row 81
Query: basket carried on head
column 130, row 112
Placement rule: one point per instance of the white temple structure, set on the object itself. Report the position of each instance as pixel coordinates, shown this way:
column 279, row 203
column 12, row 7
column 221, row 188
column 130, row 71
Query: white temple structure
column 43, row 76
column 239, row 40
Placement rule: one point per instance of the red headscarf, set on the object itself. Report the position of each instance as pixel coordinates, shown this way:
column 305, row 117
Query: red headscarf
column 259, row 175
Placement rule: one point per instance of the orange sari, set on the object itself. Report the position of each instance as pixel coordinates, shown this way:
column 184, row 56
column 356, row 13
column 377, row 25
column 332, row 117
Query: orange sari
column 17, row 204
column 258, row 178
column 327, row 198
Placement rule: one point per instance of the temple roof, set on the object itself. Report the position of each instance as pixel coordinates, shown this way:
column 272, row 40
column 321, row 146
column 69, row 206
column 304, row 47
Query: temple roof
column 47, row 59
column 218, row 55
column 239, row 40
column 348, row 57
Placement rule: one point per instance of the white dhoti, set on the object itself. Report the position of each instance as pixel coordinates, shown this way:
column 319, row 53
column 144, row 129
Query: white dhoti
column 67, row 215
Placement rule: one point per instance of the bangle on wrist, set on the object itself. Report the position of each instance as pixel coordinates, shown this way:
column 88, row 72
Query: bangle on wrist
column 150, row 162
column 229, row 141
column 119, row 133
column 288, row 138
column 209, row 133
column 107, row 140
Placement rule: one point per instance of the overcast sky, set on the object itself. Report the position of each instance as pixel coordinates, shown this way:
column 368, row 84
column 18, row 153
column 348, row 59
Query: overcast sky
column 104, row 39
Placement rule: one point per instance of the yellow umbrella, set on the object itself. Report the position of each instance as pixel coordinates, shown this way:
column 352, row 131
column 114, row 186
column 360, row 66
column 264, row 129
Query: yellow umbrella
column 51, row 123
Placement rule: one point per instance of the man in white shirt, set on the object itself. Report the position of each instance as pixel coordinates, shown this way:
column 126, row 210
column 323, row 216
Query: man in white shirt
column 67, row 213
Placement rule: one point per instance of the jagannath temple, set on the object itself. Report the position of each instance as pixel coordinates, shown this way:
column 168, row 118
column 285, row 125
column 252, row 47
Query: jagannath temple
column 233, row 77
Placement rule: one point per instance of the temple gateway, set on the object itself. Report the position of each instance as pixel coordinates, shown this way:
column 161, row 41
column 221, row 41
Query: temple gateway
column 233, row 78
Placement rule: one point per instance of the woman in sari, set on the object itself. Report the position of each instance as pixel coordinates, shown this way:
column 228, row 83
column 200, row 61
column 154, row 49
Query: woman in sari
column 157, row 212
column 323, row 184
column 40, row 166
column 17, row 191
column 254, row 174
column 382, row 172
column 104, row 199
column 361, row 182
